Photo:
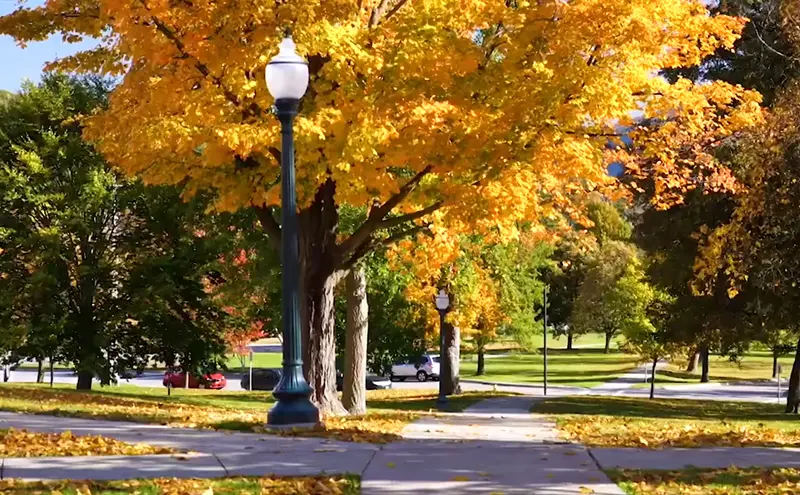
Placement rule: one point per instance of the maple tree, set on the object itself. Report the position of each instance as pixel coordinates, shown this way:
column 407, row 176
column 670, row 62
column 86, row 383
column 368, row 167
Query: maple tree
column 502, row 109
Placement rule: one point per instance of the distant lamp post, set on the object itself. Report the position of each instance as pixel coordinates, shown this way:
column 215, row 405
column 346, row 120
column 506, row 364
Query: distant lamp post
column 287, row 81
column 443, row 306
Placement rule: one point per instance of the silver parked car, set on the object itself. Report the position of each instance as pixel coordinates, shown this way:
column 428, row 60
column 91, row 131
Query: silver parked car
column 423, row 368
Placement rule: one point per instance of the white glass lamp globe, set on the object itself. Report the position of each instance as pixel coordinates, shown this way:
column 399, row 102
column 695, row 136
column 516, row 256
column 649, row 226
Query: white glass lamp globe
column 442, row 301
column 287, row 73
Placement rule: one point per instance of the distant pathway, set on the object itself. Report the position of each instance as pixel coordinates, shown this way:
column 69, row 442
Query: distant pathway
column 626, row 381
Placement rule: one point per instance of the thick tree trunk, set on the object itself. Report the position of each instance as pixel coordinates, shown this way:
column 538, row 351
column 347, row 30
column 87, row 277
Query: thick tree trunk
column 793, row 392
column 6, row 374
column 39, row 371
column 449, row 367
column 85, row 380
column 569, row 340
column 354, row 391
column 775, row 363
column 608, row 341
column 692, row 364
column 704, row 361
column 653, row 378
column 481, row 362
column 319, row 224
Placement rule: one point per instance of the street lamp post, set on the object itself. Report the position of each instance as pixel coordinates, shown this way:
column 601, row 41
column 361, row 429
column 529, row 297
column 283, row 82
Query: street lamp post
column 443, row 306
column 287, row 81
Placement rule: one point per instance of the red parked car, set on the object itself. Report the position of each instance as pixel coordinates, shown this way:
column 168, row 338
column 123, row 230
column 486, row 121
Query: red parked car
column 177, row 379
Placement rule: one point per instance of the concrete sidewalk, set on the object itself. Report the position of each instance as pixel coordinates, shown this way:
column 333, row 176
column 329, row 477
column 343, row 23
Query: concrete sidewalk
column 493, row 447
column 496, row 446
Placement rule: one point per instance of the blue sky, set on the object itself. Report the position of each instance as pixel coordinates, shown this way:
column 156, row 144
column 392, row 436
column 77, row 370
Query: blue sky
column 17, row 64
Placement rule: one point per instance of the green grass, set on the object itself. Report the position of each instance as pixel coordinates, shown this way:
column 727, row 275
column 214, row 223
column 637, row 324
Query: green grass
column 753, row 366
column 625, row 421
column 260, row 360
column 580, row 368
column 347, row 485
column 729, row 481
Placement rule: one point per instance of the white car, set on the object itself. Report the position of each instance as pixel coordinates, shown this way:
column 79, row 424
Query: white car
column 424, row 368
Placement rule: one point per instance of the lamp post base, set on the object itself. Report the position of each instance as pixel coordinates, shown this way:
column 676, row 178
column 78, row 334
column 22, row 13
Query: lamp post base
column 298, row 413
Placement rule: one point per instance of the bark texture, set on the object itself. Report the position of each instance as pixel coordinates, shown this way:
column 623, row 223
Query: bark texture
column 704, row 361
column 692, row 364
column 793, row 393
column 319, row 224
column 481, row 362
column 354, row 390
column 39, row 371
column 450, row 361
column 608, row 342
column 85, row 380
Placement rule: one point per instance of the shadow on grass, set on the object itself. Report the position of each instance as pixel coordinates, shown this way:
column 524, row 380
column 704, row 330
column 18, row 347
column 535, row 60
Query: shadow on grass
column 661, row 408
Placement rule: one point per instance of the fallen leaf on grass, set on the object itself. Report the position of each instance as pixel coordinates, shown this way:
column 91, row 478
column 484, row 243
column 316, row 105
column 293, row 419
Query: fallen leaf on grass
column 22, row 443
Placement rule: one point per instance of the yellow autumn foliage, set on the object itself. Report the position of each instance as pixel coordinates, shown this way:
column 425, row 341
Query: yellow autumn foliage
column 22, row 443
column 609, row 431
column 728, row 481
column 506, row 106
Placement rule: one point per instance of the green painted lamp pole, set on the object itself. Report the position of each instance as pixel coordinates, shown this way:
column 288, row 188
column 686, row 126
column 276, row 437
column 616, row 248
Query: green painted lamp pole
column 287, row 81
column 443, row 306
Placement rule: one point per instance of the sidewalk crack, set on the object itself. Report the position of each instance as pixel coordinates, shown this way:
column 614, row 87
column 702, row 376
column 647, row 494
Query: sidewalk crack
column 221, row 465
column 364, row 471
column 596, row 462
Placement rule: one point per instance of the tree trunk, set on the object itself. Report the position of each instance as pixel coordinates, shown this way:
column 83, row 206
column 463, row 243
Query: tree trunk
column 449, row 366
column 85, row 380
column 775, row 362
column 481, row 362
column 354, row 390
column 692, row 365
column 793, row 392
column 608, row 342
column 319, row 225
column 569, row 340
column 704, row 360
column 653, row 378
column 52, row 373
column 6, row 375
column 39, row 371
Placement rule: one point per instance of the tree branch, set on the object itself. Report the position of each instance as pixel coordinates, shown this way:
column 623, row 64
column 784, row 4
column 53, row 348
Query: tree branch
column 399, row 220
column 376, row 215
column 270, row 225
column 377, row 13
column 394, row 9
column 369, row 246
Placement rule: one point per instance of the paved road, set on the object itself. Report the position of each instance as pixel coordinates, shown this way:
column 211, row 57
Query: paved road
column 765, row 392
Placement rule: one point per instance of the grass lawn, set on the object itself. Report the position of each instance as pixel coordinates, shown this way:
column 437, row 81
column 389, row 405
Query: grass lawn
column 580, row 368
column 260, row 360
column 21, row 443
column 348, row 485
column 389, row 410
column 730, row 481
column 753, row 366
column 634, row 422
